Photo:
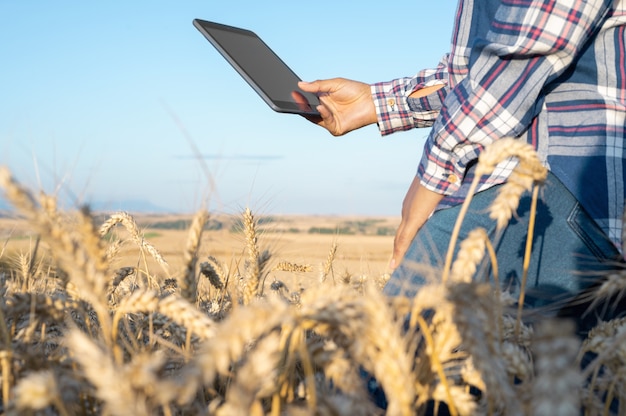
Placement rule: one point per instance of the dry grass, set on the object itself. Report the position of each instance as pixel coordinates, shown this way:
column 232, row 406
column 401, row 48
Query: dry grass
column 95, row 321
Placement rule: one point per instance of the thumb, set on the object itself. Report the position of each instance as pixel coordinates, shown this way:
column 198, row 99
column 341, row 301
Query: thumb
column 313, row 86
column 321, row 86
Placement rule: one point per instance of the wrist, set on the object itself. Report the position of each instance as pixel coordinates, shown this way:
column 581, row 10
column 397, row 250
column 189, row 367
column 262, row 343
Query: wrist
column 423, row 92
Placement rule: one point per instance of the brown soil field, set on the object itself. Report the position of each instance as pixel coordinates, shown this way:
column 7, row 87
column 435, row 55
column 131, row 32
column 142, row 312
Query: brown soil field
column 363, row 244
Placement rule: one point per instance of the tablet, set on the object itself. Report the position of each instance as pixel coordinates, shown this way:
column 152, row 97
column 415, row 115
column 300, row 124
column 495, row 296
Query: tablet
column 266, row 73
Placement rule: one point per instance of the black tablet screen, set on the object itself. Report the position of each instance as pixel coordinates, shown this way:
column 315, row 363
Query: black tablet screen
column 258, row 64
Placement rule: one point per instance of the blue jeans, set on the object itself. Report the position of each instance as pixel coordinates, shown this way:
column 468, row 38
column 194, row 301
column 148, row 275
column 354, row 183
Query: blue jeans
column 569, row 254
column 569, row 250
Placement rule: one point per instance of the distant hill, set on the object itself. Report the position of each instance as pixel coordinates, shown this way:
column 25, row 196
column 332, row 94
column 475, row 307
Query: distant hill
column 131, row 205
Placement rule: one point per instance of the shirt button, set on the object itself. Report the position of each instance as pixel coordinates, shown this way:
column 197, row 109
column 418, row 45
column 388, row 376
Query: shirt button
column 391, row 102
column 453, row 178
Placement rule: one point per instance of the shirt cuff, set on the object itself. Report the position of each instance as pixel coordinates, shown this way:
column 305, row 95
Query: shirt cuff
column 392, row 109
column 438, row 171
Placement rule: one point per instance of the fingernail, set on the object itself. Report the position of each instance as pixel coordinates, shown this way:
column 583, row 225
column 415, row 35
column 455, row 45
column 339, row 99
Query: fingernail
column 392, row 264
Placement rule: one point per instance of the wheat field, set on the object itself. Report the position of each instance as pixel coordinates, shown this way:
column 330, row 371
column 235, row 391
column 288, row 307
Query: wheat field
column 97, row 319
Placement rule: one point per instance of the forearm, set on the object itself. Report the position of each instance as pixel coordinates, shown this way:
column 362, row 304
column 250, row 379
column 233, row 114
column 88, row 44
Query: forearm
column 419, row 203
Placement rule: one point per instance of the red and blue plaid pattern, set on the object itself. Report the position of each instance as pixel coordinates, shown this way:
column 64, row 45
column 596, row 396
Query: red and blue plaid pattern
column 550, row 72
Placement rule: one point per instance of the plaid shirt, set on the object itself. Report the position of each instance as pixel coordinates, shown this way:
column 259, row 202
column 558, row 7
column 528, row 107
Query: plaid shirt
column 551, row 72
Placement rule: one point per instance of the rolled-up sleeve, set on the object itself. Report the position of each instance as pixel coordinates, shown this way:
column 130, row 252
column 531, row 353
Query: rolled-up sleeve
column 396, row 111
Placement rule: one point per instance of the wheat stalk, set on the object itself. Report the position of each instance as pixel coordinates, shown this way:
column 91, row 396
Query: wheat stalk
column 54, row 306
column 510, row 193
column 6, row 358
column 526, row 263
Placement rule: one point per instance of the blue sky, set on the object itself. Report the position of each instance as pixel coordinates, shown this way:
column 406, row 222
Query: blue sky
column 114, row 101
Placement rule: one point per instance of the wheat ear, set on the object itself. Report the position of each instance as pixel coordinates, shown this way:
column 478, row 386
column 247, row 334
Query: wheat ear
column 255, row 379
column 232, row 338
column 187, row 315
column 613, row 284
column 436, row 363
column 174, row 307
column 39, row 390
column 285, row 266
column 375, row 334
column 328, row 264
column 252, row 277
column 557, row 386
column 189, row 281
column 471, row 252
column 94, row 252
column 388, row 349
column 78, row 252
column 98, row 367
column 431, row 327
column 120, row 275
column 473, row 305
column 19, row 196
column 489, row 158
column 213, row 271
column 337, row 367
column 606, row 341
column 129, row 223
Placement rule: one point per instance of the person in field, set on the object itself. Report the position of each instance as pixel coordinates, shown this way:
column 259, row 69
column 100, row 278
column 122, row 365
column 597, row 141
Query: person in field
column 551, row 73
